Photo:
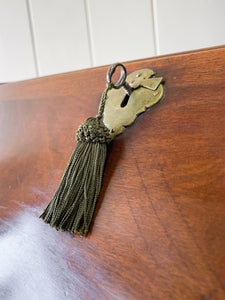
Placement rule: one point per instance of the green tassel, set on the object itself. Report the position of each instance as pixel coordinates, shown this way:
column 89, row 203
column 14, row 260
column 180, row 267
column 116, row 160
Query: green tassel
column 73, row 204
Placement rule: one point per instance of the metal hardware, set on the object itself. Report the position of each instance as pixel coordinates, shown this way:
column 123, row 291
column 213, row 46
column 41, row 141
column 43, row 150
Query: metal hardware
column 130, row 98
column 122, row 80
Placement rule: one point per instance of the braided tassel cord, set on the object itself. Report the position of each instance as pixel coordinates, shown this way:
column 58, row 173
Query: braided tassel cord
column 72, row 207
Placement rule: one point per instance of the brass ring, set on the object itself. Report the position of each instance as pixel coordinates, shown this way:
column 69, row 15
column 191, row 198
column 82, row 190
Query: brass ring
column 123, row 75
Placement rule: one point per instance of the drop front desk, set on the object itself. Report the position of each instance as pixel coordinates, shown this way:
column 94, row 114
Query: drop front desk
column 159, row 225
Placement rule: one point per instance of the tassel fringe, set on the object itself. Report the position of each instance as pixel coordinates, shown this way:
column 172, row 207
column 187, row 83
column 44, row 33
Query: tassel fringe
column 73, row 204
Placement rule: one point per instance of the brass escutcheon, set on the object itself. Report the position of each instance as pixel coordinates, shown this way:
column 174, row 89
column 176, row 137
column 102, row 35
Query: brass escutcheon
column 130, row 98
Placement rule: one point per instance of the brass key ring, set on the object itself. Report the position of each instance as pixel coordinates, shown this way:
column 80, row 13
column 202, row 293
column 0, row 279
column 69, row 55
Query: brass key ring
column 122, row 80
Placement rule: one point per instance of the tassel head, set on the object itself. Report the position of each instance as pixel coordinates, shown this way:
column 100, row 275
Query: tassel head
column 93, row 131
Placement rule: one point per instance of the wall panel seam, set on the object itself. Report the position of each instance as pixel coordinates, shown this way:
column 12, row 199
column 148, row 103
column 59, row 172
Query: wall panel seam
column 34, row 49
column 88, row 26
column 155, row 26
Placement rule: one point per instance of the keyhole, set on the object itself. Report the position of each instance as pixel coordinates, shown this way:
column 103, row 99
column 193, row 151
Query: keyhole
column 125, row 100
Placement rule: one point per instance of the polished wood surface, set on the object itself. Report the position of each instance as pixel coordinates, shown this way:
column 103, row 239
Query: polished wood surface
column 159, row 228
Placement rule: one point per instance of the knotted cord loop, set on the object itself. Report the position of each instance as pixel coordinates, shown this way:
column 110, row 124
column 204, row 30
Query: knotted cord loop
column 101, row 108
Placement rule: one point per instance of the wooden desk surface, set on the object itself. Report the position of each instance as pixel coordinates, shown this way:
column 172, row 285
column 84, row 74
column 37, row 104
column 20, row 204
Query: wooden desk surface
column 159, row 229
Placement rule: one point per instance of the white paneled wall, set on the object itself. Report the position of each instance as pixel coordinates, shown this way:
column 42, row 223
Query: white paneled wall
column 43, row 37
column 16, row 49
column 60, row 35
column 120, row 30
column 189, row 24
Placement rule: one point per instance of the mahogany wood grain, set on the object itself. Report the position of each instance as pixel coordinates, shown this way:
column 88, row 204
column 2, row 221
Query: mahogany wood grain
column 159, row 229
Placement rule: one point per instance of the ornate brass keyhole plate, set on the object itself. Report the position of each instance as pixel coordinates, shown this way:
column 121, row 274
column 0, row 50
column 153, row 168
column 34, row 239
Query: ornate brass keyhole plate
column 125, row 104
